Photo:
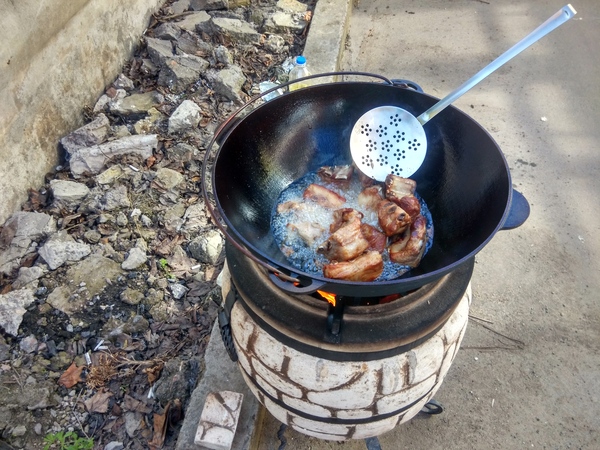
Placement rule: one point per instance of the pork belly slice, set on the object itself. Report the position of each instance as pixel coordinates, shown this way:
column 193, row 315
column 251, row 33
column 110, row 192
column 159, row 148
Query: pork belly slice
column 307, row 231
column 370, row 197
column 392, row 219
column 376, row 239
column 366, row 267
column 346, row 243
column 397, row 187
column 336, row 174
column 409, row 253
column 410, row 204
column 323, row 196
column 342, row 216
column 290, row 205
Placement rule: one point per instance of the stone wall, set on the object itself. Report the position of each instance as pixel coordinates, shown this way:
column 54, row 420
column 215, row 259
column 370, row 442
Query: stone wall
column 56, row 57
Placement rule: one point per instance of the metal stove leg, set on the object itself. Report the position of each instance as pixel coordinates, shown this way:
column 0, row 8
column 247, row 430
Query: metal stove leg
column 432, row 407
column 281, row 437
column 373, row 443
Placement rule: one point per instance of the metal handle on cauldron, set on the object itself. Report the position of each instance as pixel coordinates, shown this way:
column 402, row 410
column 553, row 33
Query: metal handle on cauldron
column 518, row 213
column 289, row 282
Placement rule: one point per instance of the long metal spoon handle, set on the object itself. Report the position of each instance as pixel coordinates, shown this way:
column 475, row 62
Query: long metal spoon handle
column 560, row 17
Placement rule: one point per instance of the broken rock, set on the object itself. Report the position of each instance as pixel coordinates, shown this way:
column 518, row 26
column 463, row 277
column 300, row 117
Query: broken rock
column 60, row 248
column 228, row 82
column 12, row 309
column 136, row 103
column 68, row 194
column 135, row 259
column 93, row 159
column 236, row 29
column 94, row 133
column 187, row 115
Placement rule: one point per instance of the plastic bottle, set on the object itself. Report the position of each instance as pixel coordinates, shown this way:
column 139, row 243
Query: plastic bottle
column 299, row 71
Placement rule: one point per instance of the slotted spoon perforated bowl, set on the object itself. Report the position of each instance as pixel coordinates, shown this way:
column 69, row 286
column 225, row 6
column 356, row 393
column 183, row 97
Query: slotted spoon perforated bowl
column 390, row 140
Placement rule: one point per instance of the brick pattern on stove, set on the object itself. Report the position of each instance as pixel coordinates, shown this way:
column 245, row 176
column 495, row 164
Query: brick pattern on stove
column 340, row 400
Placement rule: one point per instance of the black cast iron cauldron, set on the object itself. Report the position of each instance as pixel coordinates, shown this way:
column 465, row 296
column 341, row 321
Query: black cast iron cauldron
column 465, row 179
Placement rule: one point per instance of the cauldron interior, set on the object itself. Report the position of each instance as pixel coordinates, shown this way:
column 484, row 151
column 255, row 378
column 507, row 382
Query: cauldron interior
column 464, row 180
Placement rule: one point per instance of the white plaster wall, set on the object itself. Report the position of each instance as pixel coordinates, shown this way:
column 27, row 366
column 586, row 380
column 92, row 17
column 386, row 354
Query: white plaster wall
column 56, row 56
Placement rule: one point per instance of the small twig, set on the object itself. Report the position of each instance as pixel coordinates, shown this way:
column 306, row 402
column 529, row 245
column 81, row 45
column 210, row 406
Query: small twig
column 516, row 342
column 471, row 316
column 75, row 415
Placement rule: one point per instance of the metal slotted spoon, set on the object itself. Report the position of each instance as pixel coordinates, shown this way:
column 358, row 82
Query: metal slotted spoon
column 390, row 140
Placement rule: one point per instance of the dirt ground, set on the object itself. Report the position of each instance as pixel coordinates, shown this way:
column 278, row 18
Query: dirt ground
column 527, row 375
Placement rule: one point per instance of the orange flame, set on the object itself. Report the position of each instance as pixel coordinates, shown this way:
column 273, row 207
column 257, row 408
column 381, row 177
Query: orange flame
column 328, row 296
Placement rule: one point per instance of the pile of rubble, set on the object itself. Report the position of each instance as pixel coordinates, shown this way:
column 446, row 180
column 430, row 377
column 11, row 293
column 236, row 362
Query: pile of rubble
column 108, row 275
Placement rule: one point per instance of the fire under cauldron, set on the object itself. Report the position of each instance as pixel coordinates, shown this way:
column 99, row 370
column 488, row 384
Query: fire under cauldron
column 332, row 358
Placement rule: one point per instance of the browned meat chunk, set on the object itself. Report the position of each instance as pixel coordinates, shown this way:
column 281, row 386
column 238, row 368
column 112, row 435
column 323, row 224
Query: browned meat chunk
column 366, row 267
column 346, row 243
column 307, row 231
column 411, row 252
column 376, row 239
column 370, row 197
column 410, row 204
column 323, row 196
column 336, row 174
column 392, row 219
column 397, row 187
column 342, row 216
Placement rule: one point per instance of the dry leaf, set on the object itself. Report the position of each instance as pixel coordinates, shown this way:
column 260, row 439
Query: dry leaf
column 160, row 429
column 99, row 402
column 71, row 376
column 131, row 404
column 153, row 373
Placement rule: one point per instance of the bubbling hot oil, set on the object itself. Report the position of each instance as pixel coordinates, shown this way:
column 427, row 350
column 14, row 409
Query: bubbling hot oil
column 305, row 257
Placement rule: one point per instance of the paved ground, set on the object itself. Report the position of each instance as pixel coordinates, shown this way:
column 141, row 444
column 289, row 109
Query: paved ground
column 539, row 283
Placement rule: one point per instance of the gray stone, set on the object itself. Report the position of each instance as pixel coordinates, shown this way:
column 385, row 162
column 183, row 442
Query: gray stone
column 68, row 194
column 167, row 178
column 92, row 236
column 12, row 308
column 167, row 31
column 275, row 43
column 93, row 159
column 123, row 82
column 29, row 344
column 110, row 175
column 37, row 428
column 285, row 22
column 178, row 290
column 223, row 55
column 28, row 275
column 190, row 43
column 94, row 133
column 187, row 115
column 179, row 72
column 191, row 21
column 62, row 299
column 159, row 50
column 135, row 259
column 60, row 248
column 208, row 5
column 207, row 248
column 114, row 445
column 148, row 67
column 179, row 6
column 136, row 104
column 24, row 227
column 117, row 197
column 195, row 217
column 228, row 82
column 133, row 421
column 122, row 219
column 18, row 431
column 292, row 6
column 131, row 296
column 236, row 29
